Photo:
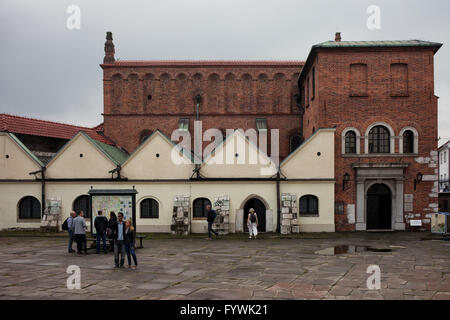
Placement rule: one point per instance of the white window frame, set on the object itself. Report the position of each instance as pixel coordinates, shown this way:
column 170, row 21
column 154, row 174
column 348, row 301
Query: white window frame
column 358, row 141
column 391, row 134
column 416, row 140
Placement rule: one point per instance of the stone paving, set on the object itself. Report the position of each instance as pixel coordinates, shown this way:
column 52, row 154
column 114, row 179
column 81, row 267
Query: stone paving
column 192, row 268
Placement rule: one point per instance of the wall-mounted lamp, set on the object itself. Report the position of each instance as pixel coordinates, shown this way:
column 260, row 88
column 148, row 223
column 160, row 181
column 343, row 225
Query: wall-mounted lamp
column 418, row 179
column 345, row 179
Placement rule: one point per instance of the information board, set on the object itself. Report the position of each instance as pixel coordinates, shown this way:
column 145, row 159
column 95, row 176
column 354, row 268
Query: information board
column 111, row 203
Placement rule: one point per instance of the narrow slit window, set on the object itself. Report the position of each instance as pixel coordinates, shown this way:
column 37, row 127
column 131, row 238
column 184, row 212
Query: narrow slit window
column 261, row 124
column 183, row 124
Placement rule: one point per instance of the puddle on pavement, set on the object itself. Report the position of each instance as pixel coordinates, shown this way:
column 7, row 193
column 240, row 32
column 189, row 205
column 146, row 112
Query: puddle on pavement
column 332, row 251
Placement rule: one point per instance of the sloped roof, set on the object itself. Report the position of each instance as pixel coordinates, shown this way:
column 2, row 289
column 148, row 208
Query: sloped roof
column 115, row 154
column 25, row 149
column 43, row 128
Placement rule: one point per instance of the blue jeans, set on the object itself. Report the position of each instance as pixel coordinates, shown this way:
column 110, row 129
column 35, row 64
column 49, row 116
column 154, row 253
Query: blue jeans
column 130, row 252
column 71, row 238
column 211, row 230
column 101, row 237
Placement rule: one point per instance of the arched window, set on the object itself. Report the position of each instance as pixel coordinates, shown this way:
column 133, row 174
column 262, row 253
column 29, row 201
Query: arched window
column 200, row 207
column 294, row 142
column 29, row 208
column 408, row 142
column 379, row 140
column 309, row 205
column 82, row 203
column 350, row 142
column 149, row 209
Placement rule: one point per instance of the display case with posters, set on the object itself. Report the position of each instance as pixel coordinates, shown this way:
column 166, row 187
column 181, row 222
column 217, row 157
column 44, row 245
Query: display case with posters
column 117, row 200
column 440, row 223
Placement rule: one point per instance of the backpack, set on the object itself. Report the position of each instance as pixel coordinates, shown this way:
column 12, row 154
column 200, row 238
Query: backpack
column 253, row 218
column 65, row 225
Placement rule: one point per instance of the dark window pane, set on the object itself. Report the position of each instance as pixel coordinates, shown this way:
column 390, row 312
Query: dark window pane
column 309, row 204
column 350, row 142
column 295, row 142
column 150, row 209
column 379, row 140
column 29, row 208
column 200, row 207
column 408, row 142
column 82, row 203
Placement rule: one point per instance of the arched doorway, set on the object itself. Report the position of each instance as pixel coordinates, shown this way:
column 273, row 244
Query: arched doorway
column 379, row 201
column 260, row 210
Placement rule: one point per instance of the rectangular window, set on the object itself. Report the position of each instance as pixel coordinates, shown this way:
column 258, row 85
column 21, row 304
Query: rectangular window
column 358, row 80
column 399, row 79
column 183, row 124
column 261, row 124
column 307, row 91
column 313, row 82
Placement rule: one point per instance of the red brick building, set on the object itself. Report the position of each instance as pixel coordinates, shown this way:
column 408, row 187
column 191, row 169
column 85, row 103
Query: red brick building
column 380, row 97
column 142, row 96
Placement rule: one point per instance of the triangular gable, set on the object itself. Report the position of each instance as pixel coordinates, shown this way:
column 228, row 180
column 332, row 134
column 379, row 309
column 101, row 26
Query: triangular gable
column 17, row 161
column 238, row 157
column 81, row 158
column 158, row 158
column 313, row 159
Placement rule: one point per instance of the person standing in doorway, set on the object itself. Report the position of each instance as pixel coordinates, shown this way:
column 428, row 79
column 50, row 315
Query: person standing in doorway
column 70, row 231
column 130, row 243
column 79, row 230
column 101, row 223
column 211, row 216
column 119, row 240
column 252, row 222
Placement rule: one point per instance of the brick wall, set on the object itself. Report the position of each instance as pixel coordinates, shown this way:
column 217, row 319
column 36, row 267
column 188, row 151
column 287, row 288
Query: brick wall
column 334, row 106
column 153, row 96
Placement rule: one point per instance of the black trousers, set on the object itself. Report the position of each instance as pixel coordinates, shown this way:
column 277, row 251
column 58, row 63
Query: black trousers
column 81, row 242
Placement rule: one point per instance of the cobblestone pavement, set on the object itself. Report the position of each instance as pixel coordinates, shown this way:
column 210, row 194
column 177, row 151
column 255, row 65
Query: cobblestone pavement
column 35, row 268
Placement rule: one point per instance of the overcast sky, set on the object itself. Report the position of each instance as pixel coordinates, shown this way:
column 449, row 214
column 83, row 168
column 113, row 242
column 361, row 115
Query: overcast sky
column 51, row 72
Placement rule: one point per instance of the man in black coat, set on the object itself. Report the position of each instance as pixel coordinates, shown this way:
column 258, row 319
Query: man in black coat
column 101, row 223
column 211, row 216
column 118, row 232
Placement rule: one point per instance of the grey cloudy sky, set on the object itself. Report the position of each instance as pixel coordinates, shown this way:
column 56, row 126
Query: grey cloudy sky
column 50, row 72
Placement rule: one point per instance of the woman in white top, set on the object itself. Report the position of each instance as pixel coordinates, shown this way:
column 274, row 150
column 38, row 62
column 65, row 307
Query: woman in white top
column 252, row 222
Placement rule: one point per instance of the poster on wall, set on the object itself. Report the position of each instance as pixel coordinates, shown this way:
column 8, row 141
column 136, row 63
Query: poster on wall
column 112, row 203
column 439, row 223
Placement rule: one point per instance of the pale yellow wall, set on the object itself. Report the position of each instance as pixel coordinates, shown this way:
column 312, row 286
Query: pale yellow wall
column 144, row 164
column 164, row 193
column 19, row 164
column 69, row 164
column 322, row 190
column 224, row 164
column 305, row 163
column 10, row 195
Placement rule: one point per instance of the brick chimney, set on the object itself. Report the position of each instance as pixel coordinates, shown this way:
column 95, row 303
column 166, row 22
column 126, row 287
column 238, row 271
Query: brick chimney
column 109, row 49
column 337, row 37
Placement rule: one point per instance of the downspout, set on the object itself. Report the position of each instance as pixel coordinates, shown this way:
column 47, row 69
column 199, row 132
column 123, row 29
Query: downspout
column 43, row 189
column 278, row 202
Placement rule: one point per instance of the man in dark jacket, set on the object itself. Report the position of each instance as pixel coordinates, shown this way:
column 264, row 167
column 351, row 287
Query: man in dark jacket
column 118, row 232
column 101, row 223
column 211, row 216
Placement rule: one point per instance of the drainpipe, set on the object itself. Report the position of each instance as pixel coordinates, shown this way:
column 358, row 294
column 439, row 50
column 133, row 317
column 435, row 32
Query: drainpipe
column 278, row 202
column 42, row 172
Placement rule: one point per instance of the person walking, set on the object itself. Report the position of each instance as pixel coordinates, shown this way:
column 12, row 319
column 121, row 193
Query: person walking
column 109, row 231
column 211, row 216
column 130, row 243
column 70, row 231
column 252, row 222
column 101, row 223
column 79, row 229
column 119, row 240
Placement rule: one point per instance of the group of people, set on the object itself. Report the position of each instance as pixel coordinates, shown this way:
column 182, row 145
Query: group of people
column 120, row 232
column 122, row 236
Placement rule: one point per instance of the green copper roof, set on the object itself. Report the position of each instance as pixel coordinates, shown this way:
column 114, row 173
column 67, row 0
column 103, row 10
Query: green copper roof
column 115, row 154
column 24, row 148
column 368, row 44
